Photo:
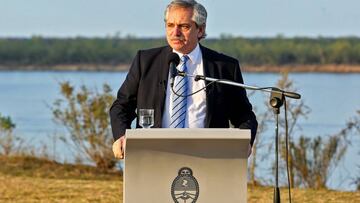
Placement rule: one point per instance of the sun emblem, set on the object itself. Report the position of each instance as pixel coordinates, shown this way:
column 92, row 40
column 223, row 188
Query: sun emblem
column 185, row 188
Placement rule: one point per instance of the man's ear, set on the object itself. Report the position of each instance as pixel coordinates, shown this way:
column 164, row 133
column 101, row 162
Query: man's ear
column 201, row 32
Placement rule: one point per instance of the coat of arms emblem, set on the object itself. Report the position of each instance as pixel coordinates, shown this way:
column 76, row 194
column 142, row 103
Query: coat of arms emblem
column 185, row 188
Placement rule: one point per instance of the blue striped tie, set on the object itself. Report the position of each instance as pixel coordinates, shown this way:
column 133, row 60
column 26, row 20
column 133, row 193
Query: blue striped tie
column 179, row 105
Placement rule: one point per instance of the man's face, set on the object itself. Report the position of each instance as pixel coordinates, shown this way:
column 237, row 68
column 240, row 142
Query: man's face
column 181, row 32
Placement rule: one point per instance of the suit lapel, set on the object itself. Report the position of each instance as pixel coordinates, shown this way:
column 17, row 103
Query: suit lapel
column 209, row 71
column 163, row 80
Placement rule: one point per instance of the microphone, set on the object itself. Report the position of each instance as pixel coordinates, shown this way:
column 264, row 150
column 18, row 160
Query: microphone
column 173, row 61
column 293, row 95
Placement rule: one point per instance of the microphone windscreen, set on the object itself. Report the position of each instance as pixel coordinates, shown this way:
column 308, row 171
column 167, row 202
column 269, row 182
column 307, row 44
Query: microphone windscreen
column 173, row 58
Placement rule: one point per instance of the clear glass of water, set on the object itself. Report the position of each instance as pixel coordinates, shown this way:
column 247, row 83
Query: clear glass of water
column 146, row 118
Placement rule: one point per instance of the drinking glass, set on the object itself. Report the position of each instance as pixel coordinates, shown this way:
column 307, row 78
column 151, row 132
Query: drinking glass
column 146, row 118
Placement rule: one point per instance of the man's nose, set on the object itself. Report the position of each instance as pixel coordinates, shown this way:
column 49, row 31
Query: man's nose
column 177, row 30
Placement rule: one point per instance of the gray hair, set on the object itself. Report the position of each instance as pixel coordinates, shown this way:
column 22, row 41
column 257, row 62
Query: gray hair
column 199, row 16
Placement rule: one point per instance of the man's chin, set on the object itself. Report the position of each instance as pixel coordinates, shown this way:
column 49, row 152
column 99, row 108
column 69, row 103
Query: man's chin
column 177, row 47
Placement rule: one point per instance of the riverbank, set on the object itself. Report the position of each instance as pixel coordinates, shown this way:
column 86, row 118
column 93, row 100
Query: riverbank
column 329, row 68
column 30, row 179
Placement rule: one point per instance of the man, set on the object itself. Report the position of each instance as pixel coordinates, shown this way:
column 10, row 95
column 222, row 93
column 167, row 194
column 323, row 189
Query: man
column 147, row 85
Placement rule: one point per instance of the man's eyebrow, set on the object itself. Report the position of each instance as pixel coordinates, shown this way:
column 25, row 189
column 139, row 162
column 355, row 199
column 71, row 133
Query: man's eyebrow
column 182, row 24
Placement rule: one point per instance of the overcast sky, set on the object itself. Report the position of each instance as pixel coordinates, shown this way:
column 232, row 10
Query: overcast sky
column 144, row 18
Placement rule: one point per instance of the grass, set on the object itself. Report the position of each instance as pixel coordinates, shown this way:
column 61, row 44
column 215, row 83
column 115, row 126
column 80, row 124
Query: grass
column 29, row 179
column 265, row 194
column 29, row 189
column 28, row 166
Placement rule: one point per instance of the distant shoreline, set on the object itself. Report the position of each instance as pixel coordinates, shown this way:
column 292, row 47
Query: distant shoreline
column 330, row 68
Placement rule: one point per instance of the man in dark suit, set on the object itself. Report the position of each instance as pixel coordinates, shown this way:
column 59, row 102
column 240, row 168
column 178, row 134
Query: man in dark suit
column 147, row 83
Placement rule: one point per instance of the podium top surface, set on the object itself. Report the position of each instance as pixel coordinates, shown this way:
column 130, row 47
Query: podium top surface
column 188, row 133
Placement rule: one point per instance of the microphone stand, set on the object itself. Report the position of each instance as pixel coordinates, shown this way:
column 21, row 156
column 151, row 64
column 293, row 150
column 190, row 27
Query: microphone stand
column 276, row 101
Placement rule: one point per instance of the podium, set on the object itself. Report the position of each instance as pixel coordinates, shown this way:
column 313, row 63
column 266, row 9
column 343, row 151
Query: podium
column 186, row 165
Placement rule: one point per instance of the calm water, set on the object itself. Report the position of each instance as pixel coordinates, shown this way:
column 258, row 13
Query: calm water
column 333, row 99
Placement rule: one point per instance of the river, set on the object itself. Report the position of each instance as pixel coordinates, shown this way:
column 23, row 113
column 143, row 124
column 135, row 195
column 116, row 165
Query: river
column 333, row 99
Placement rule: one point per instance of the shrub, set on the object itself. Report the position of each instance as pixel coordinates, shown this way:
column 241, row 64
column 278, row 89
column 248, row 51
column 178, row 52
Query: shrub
column 84, row 115
column 9, row 143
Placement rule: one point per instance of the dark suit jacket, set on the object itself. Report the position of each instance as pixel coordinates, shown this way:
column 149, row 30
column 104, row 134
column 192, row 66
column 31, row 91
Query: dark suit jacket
column 146, row 83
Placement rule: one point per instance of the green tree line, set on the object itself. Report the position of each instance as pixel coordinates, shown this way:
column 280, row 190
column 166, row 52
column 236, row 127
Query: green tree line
column 116, row 50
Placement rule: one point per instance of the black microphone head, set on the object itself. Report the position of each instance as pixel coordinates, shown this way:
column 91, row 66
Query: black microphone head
column 173, row 58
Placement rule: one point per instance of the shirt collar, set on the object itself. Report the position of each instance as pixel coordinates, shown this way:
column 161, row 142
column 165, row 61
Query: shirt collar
column 194, row 55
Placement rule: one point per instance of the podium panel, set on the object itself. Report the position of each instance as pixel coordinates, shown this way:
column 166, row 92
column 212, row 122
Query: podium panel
column 186, row 165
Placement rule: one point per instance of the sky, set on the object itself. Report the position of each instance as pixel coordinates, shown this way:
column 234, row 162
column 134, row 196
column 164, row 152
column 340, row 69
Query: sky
column 144, row 18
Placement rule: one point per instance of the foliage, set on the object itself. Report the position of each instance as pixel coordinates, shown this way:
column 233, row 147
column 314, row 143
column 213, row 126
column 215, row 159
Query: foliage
column 259, row 143
column 315, row 159
column 9, row 143
column 53, row 51
column 85, row 116
column 296, row 110
column 6, row 123
column 353, row 127
column 311, row 160
column 115, row 50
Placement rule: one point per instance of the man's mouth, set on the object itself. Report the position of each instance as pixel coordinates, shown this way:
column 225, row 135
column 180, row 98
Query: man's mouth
column 177, row 39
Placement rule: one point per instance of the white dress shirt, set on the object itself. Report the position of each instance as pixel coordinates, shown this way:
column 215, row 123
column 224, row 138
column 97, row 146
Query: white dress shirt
column 196, row 104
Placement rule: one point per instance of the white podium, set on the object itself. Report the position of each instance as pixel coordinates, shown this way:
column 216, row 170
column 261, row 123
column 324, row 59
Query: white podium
column 186, row 165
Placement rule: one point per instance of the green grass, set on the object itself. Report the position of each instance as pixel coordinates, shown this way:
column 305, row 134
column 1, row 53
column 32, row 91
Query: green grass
column 29, row 179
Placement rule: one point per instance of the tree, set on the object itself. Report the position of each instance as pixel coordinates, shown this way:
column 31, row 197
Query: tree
column 262, row 118
column 297, row 110
column 311, row 160
column 8, row 141
column 85, row 116
column 353, row 128
column 314, row 159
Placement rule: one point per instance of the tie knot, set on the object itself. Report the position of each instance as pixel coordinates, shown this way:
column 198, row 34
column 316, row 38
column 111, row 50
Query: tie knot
column 183, row 67
column 184, row 58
